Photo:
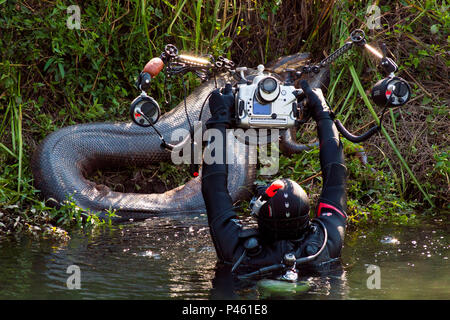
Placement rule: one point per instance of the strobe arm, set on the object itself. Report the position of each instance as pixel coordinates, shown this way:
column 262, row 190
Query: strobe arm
column 353, row 138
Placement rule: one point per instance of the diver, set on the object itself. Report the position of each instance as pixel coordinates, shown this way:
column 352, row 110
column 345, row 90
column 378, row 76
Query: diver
column 286, row 239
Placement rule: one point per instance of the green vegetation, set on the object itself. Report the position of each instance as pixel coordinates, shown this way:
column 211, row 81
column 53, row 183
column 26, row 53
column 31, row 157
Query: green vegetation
column 52, row 76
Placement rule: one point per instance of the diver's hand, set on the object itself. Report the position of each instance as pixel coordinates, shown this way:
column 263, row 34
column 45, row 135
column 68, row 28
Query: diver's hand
column 315, row 102
column 221, row 105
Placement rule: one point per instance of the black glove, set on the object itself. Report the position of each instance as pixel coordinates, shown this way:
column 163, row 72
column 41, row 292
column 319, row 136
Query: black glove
column 316, row 102
column 221, row 105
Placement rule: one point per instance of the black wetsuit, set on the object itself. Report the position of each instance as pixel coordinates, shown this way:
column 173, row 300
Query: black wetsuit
column 229, row 235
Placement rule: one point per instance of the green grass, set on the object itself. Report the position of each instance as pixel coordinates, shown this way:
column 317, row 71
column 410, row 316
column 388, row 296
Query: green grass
column 51, row 77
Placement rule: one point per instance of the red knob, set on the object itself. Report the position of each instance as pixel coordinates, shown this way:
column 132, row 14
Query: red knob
column 154, row 66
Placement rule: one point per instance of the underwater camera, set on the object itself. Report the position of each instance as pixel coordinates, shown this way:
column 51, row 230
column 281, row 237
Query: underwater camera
column 265, row 102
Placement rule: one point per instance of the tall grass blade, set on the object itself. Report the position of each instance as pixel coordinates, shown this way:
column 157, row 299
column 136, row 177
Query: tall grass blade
column 198, row 14
column 169, row 29
column 7, row 150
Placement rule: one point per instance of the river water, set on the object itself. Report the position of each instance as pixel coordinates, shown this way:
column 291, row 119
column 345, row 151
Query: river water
column 174, row 258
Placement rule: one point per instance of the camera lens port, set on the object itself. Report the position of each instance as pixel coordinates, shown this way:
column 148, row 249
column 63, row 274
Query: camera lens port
column 268, row 90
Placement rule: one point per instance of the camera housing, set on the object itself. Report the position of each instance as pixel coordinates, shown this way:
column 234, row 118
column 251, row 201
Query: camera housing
column 265, row 102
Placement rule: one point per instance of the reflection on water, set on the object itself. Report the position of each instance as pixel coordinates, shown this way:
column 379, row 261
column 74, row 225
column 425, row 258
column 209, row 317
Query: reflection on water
column 413, row 262
column 164, row 258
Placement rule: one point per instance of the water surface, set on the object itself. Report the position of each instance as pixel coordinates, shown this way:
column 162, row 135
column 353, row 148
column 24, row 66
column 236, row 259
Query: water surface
column 174, row 258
